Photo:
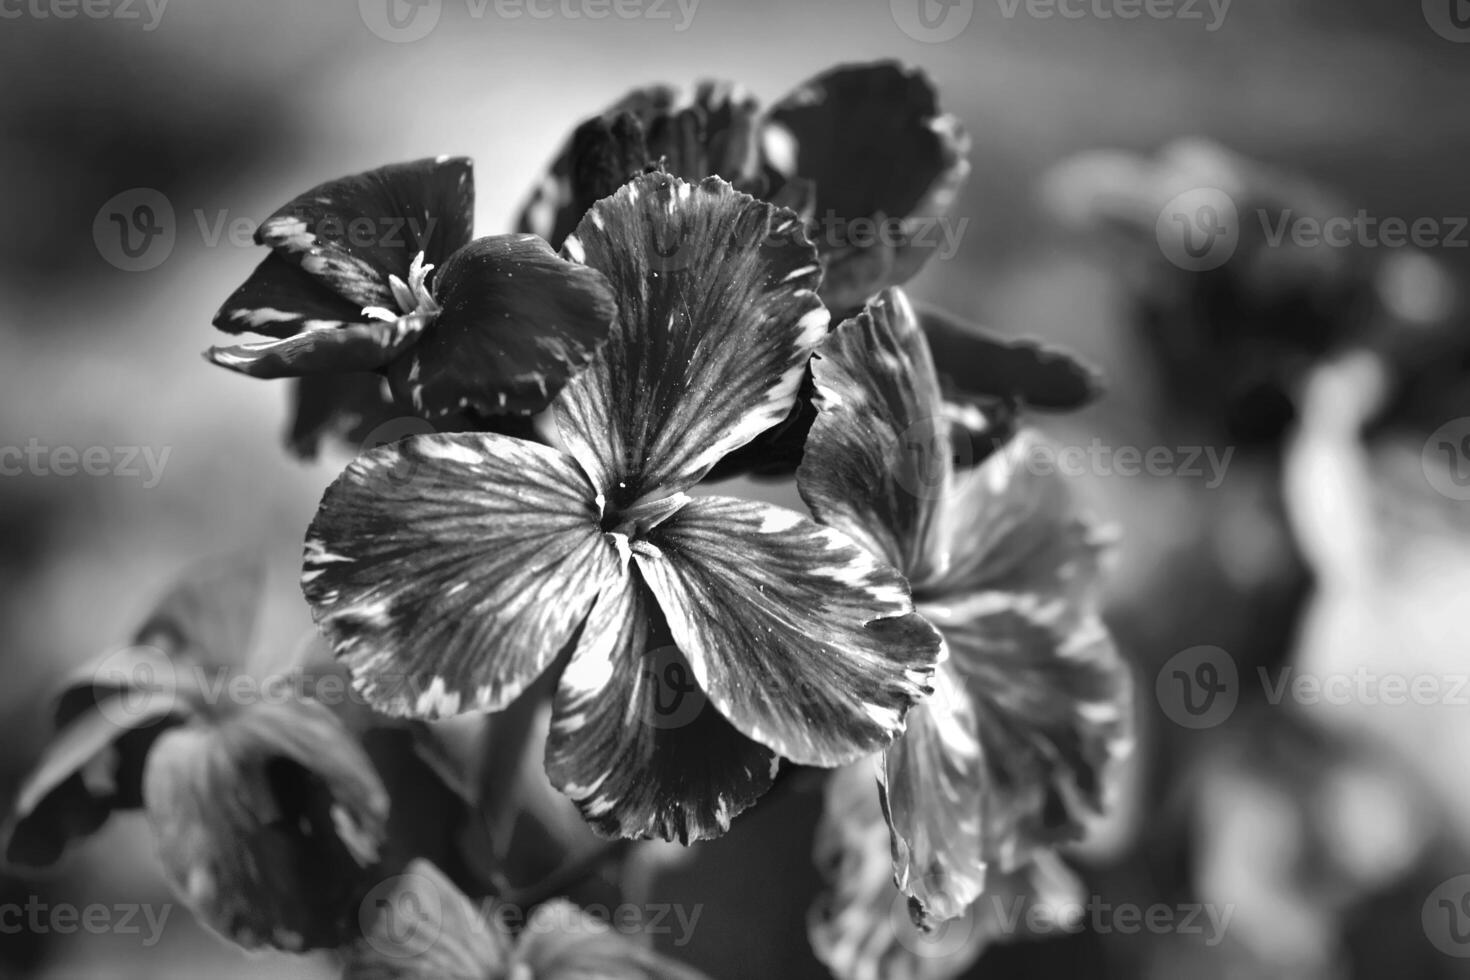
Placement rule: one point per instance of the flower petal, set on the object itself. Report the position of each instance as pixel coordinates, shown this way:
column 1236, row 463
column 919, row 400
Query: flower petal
column 269, row 823
column 326, row 350
column 354, row 232
column 634, row 741
column 1051, row 701
column 717, row 319
column 870, row 136
column 562, row 942
column 861, row 928
column 92, row 767
column 517, row 321
column 1024, row 372
column 933, row 790
column 343, row 407
column 879, row 448
column 1013, row 527
column 419, row 926
column 801, row 638
column 710, row 131
column 209, row 615
column 449, row 570
column 280, row 298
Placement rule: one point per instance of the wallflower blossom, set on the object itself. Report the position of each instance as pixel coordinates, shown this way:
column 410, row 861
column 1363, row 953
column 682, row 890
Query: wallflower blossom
column 268, row 817
column 347, row 298
column 1031, row 703
column 423, row 928
column 455, row 590
column 861, row 143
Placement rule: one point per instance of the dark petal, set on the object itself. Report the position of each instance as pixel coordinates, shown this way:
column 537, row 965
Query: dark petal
column 91, row 767
column 776, row 453
column 353, row 233
column 1051, row 699
column 933, row 794
column 517, row 321
column 709, row 132
column 280, row 299
column 269, row 823
column 418, row 926
column 345, row 408
column 806, row 642
column 872, row 140
column 635, row 743
column 562, row 942
column 978, row 366
column 878, row 455
column 356, row 347
column 717, row 319
column 449, row 570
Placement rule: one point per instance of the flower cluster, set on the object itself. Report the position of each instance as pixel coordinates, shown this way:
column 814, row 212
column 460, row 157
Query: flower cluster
column 670, row 313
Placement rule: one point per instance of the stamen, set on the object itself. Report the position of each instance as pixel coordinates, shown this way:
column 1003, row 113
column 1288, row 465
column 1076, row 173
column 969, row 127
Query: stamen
column 412, row 296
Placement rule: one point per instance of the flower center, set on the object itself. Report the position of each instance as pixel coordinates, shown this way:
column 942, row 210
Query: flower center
column 412, row 297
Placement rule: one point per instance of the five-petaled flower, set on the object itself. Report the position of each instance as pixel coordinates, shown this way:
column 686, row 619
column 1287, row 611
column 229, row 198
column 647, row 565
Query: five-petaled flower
column 375, row 296
column 269, row 818
column 1031, row 704
column 454, row 590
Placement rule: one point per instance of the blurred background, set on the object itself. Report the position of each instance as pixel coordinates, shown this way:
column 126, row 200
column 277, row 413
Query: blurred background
column 1333, row 545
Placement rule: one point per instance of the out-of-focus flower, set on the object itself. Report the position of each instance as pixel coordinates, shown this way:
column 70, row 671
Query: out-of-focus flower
column 1232, row 306
column 1031, row 705
column 858, row 146
column 454, row 590
column 268, row 817
column 418, row 926
column 347, row 300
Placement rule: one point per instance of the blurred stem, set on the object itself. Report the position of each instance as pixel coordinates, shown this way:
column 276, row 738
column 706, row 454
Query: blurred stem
column 570, row 874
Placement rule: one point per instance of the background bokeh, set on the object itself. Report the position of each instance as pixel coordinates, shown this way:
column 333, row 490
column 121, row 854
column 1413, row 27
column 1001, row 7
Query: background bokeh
column 228, row 109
